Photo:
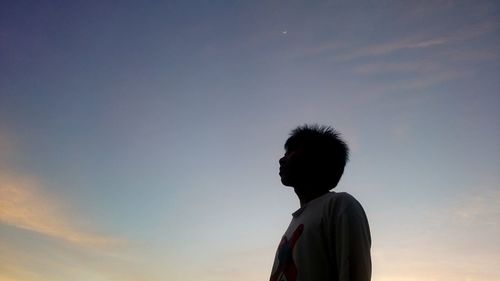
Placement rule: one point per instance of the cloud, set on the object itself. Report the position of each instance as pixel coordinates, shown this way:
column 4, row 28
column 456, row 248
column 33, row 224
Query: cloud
column 389, row 75
column 342, row 51
column 54, row 245
column 375, row 68
column 474, row 55
column 23, row 205
column 481, row 208
column 389, row 47
column 26, row 204
column 412, row 70
column 417, row 42
column 475, row 213
column 418, row 82
column 453, row 239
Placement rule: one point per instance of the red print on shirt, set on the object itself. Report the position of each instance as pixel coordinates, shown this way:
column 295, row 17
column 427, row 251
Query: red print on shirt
column 286, row 269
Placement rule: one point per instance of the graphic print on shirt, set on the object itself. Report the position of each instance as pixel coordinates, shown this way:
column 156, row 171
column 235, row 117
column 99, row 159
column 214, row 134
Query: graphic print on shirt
column 286, row 269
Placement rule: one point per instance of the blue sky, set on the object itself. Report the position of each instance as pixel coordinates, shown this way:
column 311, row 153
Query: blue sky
column 139, row 140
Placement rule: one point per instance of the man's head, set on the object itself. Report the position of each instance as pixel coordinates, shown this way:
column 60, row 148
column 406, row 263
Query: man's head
column 315, row 156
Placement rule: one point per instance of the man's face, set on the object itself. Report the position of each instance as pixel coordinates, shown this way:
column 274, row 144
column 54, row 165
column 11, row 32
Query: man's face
column 293, row 167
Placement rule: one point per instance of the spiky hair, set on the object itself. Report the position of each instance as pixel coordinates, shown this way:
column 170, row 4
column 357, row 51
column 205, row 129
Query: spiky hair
column 325, row 146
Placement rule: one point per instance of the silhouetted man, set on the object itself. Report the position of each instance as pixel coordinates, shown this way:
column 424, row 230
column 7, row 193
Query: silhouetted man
column 328, row 238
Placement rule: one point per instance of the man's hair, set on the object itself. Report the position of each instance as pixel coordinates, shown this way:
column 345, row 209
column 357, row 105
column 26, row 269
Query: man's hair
column 325, row 148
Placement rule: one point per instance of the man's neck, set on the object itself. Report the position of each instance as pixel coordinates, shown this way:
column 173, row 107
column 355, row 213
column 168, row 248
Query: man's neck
column 307, row 194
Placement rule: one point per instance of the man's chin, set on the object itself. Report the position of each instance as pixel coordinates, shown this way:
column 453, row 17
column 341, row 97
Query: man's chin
column 285, row 182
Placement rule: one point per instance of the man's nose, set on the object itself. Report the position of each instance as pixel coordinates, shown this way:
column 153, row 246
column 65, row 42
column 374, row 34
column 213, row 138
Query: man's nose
column 282, row 160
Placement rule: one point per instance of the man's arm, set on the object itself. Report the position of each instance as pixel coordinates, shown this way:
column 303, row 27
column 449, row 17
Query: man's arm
column 353, row 242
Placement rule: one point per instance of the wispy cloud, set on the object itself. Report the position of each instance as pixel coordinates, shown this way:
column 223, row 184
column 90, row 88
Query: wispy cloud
column 375, row 68
column 456, row 239
column 23, row 205
column 342, row 51
column 56, row 245
column 389, row 47
column 476, row 55
column 412, row 83
column 416, row 42
column 480, row 208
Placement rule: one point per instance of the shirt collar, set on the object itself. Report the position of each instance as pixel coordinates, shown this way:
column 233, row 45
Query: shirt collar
column 301, row 209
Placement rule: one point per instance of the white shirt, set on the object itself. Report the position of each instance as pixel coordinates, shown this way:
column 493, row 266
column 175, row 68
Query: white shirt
column 328, row 239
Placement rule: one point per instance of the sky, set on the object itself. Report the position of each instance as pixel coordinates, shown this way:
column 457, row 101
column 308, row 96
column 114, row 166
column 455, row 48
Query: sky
column 139, row 140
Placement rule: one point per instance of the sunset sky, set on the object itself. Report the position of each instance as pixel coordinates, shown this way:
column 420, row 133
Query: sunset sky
column 139, row 140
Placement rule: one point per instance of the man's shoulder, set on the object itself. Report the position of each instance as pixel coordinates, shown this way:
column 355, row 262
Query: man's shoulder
column 341, row 198
column 341, row 201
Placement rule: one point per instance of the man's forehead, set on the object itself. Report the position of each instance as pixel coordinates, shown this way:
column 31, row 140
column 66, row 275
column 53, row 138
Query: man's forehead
column 295, row 149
